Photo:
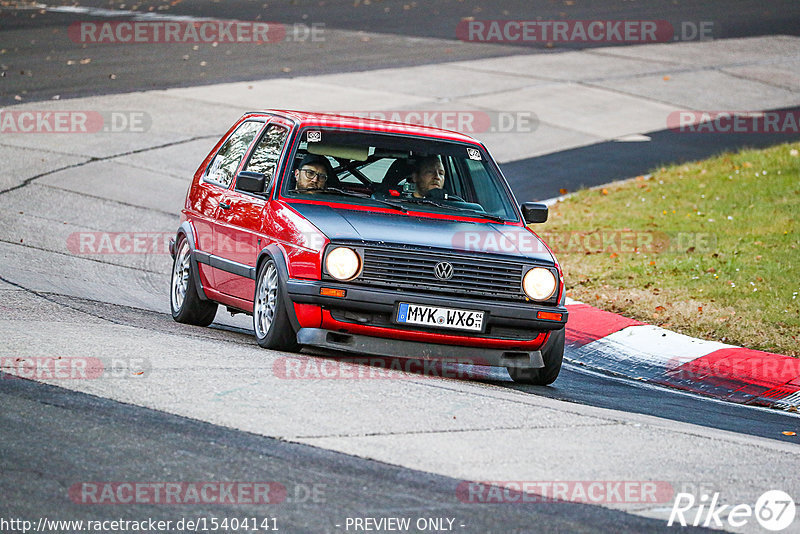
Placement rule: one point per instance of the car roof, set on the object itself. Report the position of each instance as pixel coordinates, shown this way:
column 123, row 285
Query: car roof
column 310, row 118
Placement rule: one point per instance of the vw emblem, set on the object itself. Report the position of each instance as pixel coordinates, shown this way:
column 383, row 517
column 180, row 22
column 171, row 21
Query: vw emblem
column 443, row 270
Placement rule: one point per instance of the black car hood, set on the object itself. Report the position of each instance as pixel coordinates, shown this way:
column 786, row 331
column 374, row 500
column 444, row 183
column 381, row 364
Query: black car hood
column 427, row 232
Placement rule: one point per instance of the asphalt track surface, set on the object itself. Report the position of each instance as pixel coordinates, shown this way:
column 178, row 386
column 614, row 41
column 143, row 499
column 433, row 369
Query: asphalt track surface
column 52, row 437
column 359, row 35
column 94, row 439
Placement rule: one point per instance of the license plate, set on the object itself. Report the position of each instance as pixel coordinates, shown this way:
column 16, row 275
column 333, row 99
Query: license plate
column 440, row 317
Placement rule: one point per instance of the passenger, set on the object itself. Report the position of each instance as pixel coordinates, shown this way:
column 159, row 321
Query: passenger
column 428, row 175
column 312, row 173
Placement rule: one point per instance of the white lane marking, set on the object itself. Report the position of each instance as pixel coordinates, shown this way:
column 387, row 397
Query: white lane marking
column 644, row 351
column 633, row 138
column 790, row 401
column 661, row 345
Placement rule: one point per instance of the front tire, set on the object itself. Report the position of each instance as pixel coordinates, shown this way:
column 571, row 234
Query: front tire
column 187, row 306
column 270, row 318
column 553, row 356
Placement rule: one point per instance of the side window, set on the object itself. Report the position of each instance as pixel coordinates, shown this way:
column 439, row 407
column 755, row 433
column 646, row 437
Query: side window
column 266, row 154
column 224, row 164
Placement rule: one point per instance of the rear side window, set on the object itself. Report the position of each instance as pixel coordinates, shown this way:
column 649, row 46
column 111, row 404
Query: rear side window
column 266, row 154
column 224, row 165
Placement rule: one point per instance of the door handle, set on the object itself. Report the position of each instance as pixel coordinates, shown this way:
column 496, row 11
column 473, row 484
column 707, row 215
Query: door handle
column 224, row 206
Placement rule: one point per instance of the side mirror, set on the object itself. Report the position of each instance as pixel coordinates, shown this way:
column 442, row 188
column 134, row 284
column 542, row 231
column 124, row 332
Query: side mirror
column 251, row 182
column 533, row 212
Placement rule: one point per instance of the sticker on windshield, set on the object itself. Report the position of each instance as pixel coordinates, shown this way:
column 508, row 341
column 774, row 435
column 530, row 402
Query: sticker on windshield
column 474, row 153
column 314, row 136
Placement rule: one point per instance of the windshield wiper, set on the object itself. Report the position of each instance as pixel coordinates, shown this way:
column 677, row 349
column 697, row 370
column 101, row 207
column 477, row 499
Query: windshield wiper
column 337, row 191
column 477, row 213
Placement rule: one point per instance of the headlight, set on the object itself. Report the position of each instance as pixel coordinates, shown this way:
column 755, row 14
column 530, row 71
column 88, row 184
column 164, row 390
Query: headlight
column 539, row 283
column 343, row 263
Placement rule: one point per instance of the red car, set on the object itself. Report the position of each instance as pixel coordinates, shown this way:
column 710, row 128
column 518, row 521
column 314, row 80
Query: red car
column 369, row 237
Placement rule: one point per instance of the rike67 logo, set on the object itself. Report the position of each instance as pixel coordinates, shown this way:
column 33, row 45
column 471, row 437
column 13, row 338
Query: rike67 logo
column 774, row 510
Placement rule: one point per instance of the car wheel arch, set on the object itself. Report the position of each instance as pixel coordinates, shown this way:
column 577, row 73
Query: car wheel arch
column 186, row 229
column 278, row 256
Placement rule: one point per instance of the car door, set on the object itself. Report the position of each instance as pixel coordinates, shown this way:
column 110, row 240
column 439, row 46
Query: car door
column 240, row 232
column 217, row 180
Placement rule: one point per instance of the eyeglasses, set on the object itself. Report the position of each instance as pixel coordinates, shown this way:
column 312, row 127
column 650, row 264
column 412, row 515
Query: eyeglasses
column 321, row 176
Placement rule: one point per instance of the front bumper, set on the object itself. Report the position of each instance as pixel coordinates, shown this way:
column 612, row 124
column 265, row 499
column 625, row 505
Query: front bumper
column 520, row 315
column 398, row 348
column 512, row 333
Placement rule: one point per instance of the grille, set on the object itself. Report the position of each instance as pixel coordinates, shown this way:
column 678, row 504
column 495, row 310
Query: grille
column 414, row 270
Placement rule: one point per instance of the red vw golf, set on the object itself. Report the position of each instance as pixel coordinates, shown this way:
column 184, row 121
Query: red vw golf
column 369, row 237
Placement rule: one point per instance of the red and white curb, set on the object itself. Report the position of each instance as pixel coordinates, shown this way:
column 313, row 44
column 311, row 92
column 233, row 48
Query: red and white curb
column 616, row 344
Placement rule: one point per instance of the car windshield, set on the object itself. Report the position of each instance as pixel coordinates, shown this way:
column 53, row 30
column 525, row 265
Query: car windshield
column 404, row 172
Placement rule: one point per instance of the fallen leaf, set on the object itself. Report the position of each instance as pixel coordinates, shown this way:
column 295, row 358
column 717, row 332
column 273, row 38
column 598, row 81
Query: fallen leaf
column 562, row 191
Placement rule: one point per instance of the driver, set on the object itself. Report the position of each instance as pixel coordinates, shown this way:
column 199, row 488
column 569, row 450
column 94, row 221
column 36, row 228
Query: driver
column 428, row 175
column 312, row 173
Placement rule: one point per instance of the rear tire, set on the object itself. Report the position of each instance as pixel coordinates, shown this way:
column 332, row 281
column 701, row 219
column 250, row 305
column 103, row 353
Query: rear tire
column 187, row 306
column 552, row 354
column 270, row 318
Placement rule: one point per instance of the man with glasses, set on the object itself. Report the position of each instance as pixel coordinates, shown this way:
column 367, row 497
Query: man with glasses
column 312, row 173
